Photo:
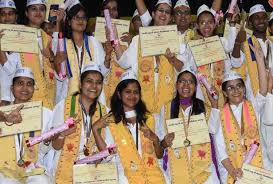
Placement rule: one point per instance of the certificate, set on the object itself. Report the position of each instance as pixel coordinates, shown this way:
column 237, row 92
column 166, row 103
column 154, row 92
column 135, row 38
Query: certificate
column 238, row 27
column 31, row 115
column 89, row 174
column 154, row 40
column 207, row 50
column 19, row 38
column 122, row 26
column 255, row 175
column 198, row 132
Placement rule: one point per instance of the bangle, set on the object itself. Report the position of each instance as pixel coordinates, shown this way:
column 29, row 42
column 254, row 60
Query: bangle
column 9, row 124
column 61, row 137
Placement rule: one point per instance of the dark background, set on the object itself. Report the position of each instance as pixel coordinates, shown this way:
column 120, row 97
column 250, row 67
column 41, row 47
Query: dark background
column 127, row 7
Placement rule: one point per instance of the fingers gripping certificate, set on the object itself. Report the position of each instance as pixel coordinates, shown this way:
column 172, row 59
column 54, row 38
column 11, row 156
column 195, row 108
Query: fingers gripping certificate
column 31, row 119
column 255, row 175
column 154, row 40
column 207, row 50
column 122, row 26
column 90, row 174
column 197, row 131
column 19, row 38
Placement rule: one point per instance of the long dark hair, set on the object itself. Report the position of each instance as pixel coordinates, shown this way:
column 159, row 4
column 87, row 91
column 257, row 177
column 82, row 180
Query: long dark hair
column 117, row 105
column 198, row 106
column 198, row 19
column 92, row 108
column 70, row 14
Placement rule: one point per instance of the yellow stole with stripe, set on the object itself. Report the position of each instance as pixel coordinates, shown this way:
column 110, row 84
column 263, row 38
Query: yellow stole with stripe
column 44, row 77
column 214, row 73
column 8, row 160
column 64, row 172
column 74, row 82
column 250, row 66
column 236, row 151
column 113, row 78
column 189, row 170
column 138, row 169
column 156, row 98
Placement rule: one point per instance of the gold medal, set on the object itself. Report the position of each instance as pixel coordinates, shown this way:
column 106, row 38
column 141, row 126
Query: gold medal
column 187, row 142
column 133, row 166
column 177, row 153
column 20, row 162
column 86, row 151
column 251, row 132
column 144, row 67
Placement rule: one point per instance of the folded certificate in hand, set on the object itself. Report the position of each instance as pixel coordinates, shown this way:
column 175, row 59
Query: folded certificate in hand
column 207, row 50
column 198, row 132
column 122, row 26
column 31, row 115
column 255, row 175
column 154, row 40
column 19, row 38
column 90, row 174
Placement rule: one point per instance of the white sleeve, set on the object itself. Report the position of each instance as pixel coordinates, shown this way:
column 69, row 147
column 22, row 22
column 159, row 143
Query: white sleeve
column 237, row 62
column 220, row 145
column 47, row 118
column 259, row 103
column 228, row 43
column 129, row 56
column 99, row 55
column 267, row 117
column 214, row 121
column 58, row 115
column 13, row 62
column 54, row 43
column 146, row 19
column 159, row 124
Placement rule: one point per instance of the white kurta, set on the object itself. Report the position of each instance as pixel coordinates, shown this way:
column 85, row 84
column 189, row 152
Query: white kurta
column 42, row 156
column 7, row 72
column 161, row 133
column 98, row 58
column 220, row 146
column 267, row 130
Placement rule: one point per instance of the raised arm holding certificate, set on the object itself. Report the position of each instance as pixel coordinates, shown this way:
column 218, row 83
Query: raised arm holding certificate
column 255, row 175
column 19, row 38
column 154, row 40
column 121, row 25
column 31, row 115
column 197, row 131
column 207, row 50
column 89, row 173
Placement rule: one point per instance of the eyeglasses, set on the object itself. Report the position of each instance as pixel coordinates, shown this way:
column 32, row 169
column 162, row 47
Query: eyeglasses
column 168, row 12
column 77, row 18
column 237, row 87
column 184, row 82
column 9, row 14
column 208, row 22
column 180, row 13
column 37, row 9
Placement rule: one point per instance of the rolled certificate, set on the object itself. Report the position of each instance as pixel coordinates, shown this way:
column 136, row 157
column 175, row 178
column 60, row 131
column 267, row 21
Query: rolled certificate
column 202, row 79
column 232, row 5
column 35, row 140
column 108, row 23
column 91, row 159
column 61, row 43
column 250, row 154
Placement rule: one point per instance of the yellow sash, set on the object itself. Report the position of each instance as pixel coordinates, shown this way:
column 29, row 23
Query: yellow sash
column 112, row 79
column 74, row 82
column 236, row 151
column 138, row 169
column 214, row 73
column 189, row 170
column 156, row 98
column 8, row 160
column 64, row 173
column 250, row 66
column 44, row 77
